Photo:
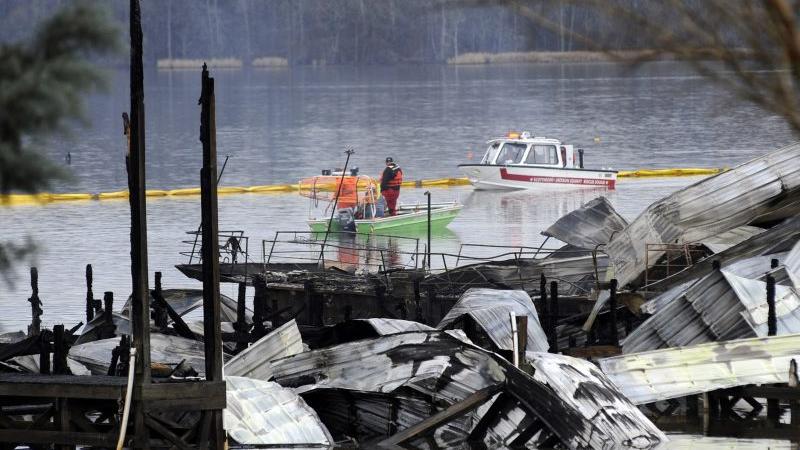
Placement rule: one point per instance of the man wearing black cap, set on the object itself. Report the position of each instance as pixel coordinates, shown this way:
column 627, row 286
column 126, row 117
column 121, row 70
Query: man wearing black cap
column 391, row 179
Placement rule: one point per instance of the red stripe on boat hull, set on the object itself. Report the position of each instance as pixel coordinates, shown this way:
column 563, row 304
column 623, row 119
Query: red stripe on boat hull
column 610, row 183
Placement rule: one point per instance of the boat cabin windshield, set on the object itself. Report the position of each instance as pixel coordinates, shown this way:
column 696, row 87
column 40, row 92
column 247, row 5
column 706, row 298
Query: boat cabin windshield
column 491, row 154
column 511, row 153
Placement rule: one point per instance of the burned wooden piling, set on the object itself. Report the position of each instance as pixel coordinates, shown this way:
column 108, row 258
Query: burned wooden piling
column 36, row 304
column 212, row 419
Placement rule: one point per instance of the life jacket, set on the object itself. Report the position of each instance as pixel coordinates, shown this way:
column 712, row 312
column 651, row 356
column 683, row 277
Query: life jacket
column 395, row 181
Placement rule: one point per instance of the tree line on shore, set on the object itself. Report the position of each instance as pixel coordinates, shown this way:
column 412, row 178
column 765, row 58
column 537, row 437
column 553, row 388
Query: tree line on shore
column 336, row 31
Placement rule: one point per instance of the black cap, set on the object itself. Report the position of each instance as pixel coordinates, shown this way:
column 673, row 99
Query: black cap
column 389, row 159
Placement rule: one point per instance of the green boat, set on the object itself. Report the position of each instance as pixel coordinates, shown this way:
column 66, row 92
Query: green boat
column 358, row 207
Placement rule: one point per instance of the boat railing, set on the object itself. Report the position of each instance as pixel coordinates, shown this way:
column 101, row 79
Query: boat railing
column 372, row 253
column 233, row 247
column 518, row 251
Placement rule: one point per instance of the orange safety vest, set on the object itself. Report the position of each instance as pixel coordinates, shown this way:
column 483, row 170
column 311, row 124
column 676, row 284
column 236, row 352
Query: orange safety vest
column 396, row 181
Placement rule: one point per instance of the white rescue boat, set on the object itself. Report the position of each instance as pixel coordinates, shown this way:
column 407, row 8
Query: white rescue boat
column 520, row 161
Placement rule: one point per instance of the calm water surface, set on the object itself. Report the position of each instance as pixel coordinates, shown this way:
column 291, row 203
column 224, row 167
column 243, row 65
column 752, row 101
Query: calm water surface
column 281, row 125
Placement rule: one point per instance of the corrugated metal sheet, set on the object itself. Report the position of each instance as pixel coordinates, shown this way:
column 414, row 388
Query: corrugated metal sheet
column 169, row 350
column 184, row 301
column 264, row 413
column 777, row 239
column 589, row 226
column 768, row 185
column 30, row 363
column 670, row 373
column 723, row 305
column 730, row 238
column 707, row 311
column 792, row 265
column 490, row 308
column 385, row 326
column 752, row 294
column 587, row 390
column 254, row 361
column 370, row 417
column 443, row 370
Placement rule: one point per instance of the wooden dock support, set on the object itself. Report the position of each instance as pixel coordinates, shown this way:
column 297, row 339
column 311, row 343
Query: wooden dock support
column 773, row 408
column 36, row 304
column 612, row 312
column 210, row 250
column 553, row 313
column 242, row 337
column 90, row 303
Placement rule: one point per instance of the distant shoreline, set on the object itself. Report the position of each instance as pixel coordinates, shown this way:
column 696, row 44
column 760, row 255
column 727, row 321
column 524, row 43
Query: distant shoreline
column 471, row 58
column 478, row 58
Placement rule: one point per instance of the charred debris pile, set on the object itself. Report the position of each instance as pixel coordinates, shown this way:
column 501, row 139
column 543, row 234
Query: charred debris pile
column 681, row 319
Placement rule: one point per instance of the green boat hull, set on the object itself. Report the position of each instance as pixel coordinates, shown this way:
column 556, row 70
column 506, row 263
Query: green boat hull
column 415, row 220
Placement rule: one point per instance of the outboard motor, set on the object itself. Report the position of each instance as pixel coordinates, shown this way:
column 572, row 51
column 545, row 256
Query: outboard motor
column 354, row 171
column 346, row 220
column 326, row 172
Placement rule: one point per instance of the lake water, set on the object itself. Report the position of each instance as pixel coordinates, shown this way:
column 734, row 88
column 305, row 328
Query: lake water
column 281, row 125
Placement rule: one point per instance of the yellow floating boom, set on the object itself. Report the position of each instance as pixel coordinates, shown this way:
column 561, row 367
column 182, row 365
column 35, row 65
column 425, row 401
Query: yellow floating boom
column 43, row 198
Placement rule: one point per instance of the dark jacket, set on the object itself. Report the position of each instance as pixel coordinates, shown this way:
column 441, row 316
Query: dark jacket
column 392, row 177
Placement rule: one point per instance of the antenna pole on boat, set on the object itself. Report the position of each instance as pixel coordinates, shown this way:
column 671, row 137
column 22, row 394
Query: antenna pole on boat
column 428, row 259
column 348, row 152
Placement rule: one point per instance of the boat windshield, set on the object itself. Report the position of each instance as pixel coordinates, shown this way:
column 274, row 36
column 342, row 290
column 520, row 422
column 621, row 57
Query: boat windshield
column 511, row 153
column 491, row 153
column 542, row 154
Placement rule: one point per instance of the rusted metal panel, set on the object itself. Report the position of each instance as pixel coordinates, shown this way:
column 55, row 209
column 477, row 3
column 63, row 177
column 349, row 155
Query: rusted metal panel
column 647, row 377
column 716, row 204
column 490, row 308
column 589, row 226
column 254, row 361
column 264, row 413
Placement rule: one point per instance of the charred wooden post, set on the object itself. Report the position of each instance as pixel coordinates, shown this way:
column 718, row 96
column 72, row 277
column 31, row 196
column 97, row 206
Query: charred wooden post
column 89, row 295
column 417, row 307
column 553, row 310
column 794, row 405
column 522, row 340
column 108, row 309
column 140, row 301
column 60, row 351
column 36, row 304
column 431, row 300
column 544, row 315
column 772, row 321
column 210, row 252
column 160, row 315
column 259, row 309
column 45, row 337
column 774, row 263
column 692, row 406
column 612, row 313
column 241, row 318
column 773, row 410
column 715, row 264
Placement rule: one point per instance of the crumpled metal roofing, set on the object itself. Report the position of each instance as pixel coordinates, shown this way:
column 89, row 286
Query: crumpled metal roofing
column 586, row 389
column 435, row 366
column 184, row 301
column 730, row 238
column 589, row 226
column 792, row 265
column 676, row 372
column 370, row 417
column 752, row 294
column 490, row 309
column 30, row 363
column 264, row 413
column 384, row 326
column 720, row 306
column 254, row 361
column 169, row 350
column 765, row 186
column 777, row 239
